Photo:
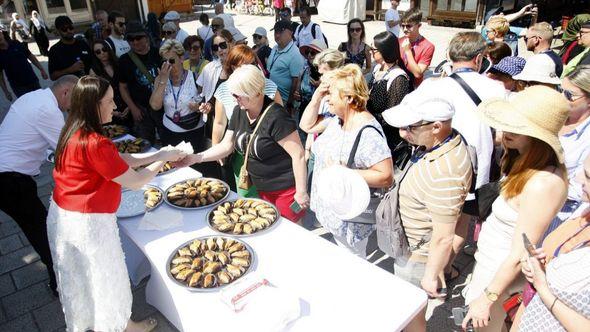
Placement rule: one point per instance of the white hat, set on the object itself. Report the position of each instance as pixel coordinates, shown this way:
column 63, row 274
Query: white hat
column 316, row 44
column 343, row 191
column 539, row 68
column 260, row 31
column 172, row 16
column 416, row 107
column 236, row 34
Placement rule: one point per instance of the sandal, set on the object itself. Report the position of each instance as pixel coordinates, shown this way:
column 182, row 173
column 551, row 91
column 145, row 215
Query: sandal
column 454, row 274
column 149, row 324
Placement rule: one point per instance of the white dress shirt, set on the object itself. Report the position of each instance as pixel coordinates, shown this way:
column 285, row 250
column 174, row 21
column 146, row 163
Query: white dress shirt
column 304, row 35
column 31, row 126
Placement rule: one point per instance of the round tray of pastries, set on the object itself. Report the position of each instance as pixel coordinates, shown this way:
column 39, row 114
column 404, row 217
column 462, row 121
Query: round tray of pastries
column 137, row 145
column 115, row 131
column 199, row 193
column 243, row 217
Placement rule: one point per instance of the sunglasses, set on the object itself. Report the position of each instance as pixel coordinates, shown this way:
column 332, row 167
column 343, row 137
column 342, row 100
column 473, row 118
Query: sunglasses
column 357, row 30
column 256, row 36
column 170, row 61
column 216, row 47
column 121, row 24
column 167, row 33
column 67, row 28
column 215, row 26
column 309, row 52
column 135, row 38
column 570, row 96
column 411, row 128
column 195, row 48
column 406, row 26
column 99, row 51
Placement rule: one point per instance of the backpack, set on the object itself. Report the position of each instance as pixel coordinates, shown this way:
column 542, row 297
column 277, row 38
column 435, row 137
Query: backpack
column 313, row 33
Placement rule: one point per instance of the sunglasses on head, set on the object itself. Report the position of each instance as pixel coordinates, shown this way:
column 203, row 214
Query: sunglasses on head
column 67, row 28
column 99, row 51
column 216, row 47
column 134, row 38
column 355, row 29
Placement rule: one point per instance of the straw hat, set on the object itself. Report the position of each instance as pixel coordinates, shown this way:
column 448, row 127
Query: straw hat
column 537, row 111
column 343, row 191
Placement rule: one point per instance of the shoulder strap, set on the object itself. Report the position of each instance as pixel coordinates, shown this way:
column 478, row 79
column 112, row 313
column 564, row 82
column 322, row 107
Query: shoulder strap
column 267, row 110
column 195, row 78
column 313, row 25
column 350, row 162
column 111, row 44
column 466, row 88
column 141, row 66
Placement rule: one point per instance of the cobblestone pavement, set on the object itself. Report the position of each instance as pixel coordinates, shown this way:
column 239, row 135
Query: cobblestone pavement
column 26, row 304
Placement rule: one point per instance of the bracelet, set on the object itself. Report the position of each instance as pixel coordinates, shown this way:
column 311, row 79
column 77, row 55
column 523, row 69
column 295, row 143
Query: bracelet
column 162, row 82
column 552, row 305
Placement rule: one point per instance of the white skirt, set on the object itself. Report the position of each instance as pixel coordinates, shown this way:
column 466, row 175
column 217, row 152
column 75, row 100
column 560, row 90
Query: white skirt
column 90, row 268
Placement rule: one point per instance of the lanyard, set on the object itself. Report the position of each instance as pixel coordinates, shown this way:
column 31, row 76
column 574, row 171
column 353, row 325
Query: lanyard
column 464, row 70
column 177, row 95
column 278, row 55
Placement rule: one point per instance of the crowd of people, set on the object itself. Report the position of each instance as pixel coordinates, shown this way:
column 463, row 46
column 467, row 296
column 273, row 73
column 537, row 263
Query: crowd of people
column 497, row 143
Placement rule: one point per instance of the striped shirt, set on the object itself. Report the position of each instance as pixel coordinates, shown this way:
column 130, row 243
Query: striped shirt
column 434, row 191
column 229, row 102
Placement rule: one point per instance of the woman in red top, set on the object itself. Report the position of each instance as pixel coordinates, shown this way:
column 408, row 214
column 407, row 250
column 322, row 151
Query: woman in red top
column 82, row 226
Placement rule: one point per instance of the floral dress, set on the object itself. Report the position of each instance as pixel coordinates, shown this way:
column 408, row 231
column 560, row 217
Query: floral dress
column 333, row 147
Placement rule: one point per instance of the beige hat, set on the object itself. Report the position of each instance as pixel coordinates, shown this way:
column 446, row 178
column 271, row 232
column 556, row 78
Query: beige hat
column 537, row 111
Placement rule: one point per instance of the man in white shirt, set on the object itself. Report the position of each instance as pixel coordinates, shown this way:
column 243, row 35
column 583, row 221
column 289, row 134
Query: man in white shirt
column 228, row 21
column 173, row 16
column 392, row 19
column 466, row 51
column 31, row 126
column 307, row 31
column 116, row 40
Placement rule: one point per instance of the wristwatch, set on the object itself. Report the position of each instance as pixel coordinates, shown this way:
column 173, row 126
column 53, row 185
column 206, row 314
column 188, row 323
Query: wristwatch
column 493, row 297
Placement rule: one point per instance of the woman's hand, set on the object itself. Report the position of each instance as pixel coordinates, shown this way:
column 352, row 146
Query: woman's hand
column 479, row 312
column 169, row 153
column 164, row 74
column 302, row 198
column 533, row 271
column 205, row 108
column 187, row 161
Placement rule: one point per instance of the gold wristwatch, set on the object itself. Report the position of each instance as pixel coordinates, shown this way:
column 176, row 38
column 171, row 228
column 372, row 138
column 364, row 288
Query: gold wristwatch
column 493, row 297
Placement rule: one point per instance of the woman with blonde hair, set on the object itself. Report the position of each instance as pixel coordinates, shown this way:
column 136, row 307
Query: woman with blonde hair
column 532, row 191
column 347, row 94
column 265, row 133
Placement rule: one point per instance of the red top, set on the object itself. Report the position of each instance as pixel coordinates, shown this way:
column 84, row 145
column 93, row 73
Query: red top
column 423, row 51
column 84, row 182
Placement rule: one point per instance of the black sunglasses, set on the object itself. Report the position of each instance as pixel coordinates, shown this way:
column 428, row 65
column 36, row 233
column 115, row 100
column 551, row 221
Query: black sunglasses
column 121, row 24
column 355, row 29
column 67, row 28
column 195, row 47
column 570, row 96
column 309, row 51
column 216, row 47
column 170, row 61
column 168, row 32
column 256, row 36
column 409, row 26
column 99, row 51
column 215, row 26
column 135, row 38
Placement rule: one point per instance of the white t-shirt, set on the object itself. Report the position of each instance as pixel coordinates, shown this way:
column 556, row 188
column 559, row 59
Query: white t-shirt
column 177, row 99
column 477, row 134
column 31, row 126
column 205, row 32
column 392, row 15
column 121, row 45
column 304, row 35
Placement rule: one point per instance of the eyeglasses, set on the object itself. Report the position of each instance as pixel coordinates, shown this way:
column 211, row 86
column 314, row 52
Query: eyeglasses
column 135, row 38
column 216, row 47
column 411, row 128
column 99, row 51
column 526, row 39
column 67, row 28
column 170, row 60
column 357, row 30
column 195, row 47
column 570, row 96
column 406, row 26
column 256, row 36
column 309, row 52
column 121, row 24
column 167, row 33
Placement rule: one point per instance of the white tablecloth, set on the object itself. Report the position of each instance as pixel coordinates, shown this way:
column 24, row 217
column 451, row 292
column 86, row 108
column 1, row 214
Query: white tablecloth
column 338, row 291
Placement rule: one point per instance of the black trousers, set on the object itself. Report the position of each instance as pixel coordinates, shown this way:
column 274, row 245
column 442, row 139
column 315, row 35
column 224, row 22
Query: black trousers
column 18, row 199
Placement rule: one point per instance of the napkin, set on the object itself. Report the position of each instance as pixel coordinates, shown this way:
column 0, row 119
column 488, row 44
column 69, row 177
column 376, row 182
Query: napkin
column 160, row 219
column 185, row 147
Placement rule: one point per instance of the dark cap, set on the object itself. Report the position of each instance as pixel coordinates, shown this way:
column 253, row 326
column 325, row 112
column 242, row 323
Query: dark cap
column 62, row 21
column 282, row 25
column 135, row 28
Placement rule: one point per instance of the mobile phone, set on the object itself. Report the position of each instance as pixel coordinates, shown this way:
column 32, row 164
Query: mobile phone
column 295, row 207
column 458, row 316
column 530, row 248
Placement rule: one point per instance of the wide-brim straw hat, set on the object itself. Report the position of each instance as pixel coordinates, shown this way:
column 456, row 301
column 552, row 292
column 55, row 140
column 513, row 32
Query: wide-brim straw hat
column 343, row 191
column 537, row 111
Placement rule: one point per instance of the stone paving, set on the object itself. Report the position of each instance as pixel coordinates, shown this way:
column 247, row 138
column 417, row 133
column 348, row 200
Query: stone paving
column 26, row 304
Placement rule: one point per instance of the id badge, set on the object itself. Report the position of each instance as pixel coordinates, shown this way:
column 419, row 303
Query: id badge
column 176, row 117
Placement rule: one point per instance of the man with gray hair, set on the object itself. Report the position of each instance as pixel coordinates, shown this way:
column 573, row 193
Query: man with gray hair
column 31, row 126
column 464, row 90
column 228, row 21
column 173, row 16
column 538, row 40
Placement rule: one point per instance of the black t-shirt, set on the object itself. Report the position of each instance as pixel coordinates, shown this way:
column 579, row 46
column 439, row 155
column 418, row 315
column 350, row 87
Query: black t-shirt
column 139, row 86
column 269, row 165
column 557, row 60
column 14, row 62
column 263, row 53
column 62, row 56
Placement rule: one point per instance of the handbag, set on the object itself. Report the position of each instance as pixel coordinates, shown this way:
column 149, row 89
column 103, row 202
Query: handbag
column 485, row 197
column 511, row 305
column 244, row 181
column 367, row 216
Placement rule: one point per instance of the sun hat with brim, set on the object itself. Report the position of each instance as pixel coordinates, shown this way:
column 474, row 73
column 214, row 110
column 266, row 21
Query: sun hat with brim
column 316, row 44
column 343, row 191
column 539, row 68
column 419, row 106
column 537, row 111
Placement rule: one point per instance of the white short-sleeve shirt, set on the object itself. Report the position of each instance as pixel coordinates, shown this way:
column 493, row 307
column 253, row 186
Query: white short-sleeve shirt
column 392, row 15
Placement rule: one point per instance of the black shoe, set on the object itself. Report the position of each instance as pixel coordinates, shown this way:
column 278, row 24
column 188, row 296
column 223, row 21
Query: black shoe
column 53, row 290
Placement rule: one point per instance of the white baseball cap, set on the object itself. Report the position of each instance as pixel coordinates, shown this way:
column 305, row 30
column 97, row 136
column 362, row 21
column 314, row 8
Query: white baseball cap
column 539, row 68
column 260, row 31
column 419, row 106
column 172, row 16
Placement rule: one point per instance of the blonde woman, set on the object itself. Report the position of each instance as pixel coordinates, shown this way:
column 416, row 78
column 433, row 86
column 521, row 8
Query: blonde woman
column 532, row 192
column 276, row 162
column 498, row 30
column 347, row 95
